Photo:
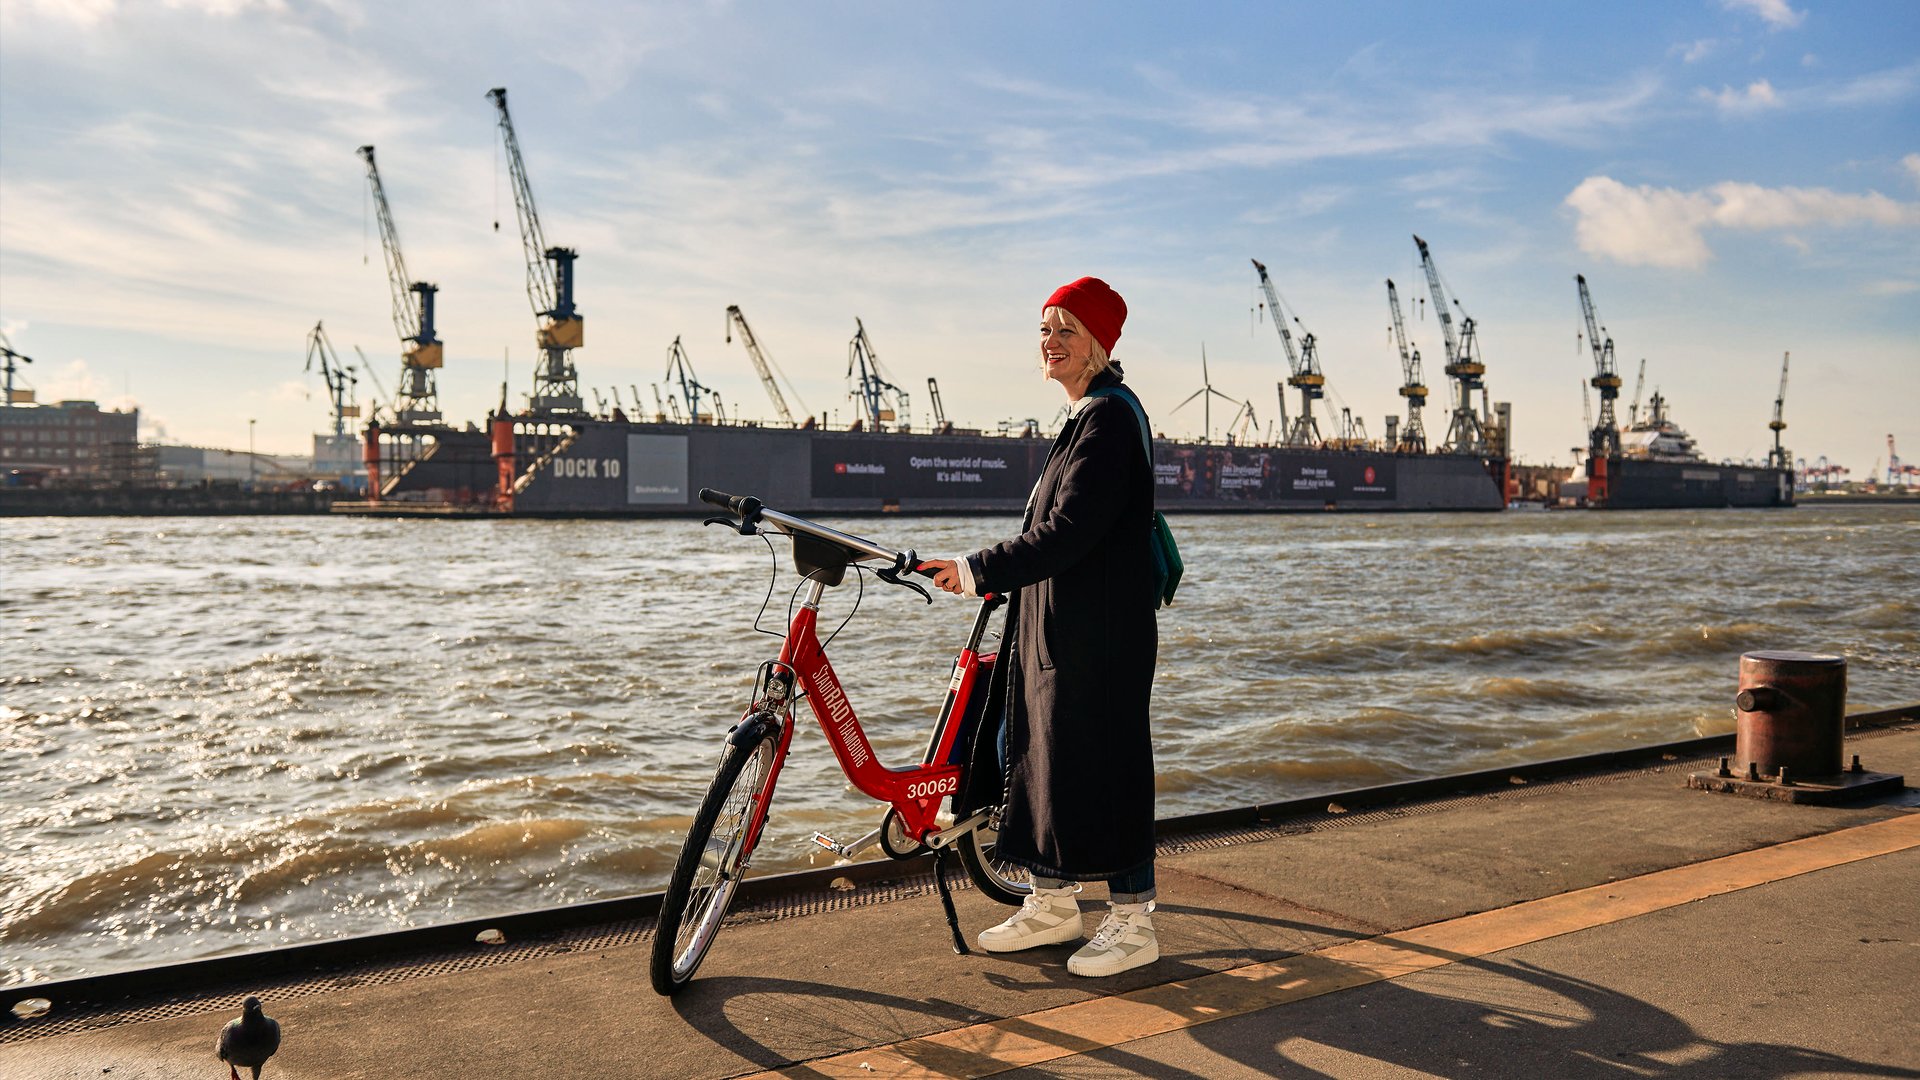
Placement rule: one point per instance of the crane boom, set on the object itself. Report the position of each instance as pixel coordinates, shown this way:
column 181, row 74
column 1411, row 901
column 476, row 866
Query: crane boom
column 680, row 370
column 556, row 384
column 1467, row 432
column 1779, row 423
column 1304, row 365
column 342, row 384
column 1603, row 439
column 871, row 387
column 762, row 365
column 1413, row 437
column 422, row 352
column 940, row 424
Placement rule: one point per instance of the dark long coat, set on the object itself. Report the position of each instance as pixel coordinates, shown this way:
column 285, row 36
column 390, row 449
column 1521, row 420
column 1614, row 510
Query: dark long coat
column 1076, row 668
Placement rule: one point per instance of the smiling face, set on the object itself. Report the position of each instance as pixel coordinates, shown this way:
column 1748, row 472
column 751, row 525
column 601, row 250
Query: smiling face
column 1067, row 351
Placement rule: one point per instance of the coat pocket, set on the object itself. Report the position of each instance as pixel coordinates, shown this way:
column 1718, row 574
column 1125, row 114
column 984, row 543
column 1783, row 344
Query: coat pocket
column 1043, row 625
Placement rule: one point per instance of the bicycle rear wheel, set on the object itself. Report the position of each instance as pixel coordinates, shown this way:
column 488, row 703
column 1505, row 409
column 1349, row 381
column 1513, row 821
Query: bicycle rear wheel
column 711, row 862
column 1003, row 881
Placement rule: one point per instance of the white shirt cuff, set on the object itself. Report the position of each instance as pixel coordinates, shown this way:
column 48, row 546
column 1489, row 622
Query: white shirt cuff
column 965, row 566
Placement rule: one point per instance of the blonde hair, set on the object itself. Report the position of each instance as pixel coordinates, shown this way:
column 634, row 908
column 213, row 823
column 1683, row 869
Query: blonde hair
column 1097, row 360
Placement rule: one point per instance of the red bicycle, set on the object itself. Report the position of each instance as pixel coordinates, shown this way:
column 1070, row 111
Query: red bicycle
column 720, row 843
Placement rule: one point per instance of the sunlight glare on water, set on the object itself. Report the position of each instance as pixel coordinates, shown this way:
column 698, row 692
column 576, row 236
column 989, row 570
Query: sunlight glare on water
column 228, row 733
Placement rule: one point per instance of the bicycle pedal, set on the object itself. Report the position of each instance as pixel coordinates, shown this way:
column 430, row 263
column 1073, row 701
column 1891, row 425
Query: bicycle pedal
column 823, row 840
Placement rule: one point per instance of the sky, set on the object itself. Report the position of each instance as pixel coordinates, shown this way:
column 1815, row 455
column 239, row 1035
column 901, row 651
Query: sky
column 181, row 201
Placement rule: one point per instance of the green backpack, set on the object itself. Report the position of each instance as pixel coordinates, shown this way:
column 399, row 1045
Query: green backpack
column 1167, row 565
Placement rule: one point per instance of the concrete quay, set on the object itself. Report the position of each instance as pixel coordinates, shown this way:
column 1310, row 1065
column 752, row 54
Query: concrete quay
column 1603, row 923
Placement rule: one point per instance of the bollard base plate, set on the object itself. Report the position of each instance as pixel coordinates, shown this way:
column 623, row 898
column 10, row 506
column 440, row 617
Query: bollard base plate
column 1813, row 791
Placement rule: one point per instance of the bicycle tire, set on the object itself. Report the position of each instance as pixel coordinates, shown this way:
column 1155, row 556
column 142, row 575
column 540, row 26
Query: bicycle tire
column 696, row 899
column 1004, row 882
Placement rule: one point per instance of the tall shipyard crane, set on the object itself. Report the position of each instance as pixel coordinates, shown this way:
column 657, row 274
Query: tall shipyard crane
column 680, row 370
column 763, row 365
column 1304, row 363
column 343, row 385
column 1603, row 439
column 941, row 425
column 1413, row 437
column 556, row 385
column 1467, row 431
column 418, row 401
column 870, row 386
column 1778, row 458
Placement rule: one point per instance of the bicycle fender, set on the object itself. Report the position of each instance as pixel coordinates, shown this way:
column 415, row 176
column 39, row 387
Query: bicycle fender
column 747, row 731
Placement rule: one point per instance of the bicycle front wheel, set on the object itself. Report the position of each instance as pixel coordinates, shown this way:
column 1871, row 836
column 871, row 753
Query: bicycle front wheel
column 712, row 862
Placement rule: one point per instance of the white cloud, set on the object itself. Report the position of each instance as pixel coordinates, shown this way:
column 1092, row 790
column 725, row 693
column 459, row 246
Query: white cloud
column 1777, row 14
column 1758, row 95
column 1912, row 163
column 1697, row 51
column 72, row 381
column 1892, row 287
column 1648, row 226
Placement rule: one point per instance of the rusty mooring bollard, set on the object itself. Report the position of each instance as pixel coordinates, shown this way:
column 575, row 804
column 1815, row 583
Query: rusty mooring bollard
column 1791, row 712
column 1790, row 730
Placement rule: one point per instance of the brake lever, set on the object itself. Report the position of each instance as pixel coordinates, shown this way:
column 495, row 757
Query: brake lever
column 891, row 575
column 744, row 528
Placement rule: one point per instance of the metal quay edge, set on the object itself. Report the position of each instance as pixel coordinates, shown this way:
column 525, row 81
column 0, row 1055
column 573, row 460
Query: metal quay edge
column 321, row 957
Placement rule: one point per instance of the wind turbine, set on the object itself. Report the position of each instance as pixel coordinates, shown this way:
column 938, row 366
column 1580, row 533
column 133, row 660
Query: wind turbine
column 1206, row 394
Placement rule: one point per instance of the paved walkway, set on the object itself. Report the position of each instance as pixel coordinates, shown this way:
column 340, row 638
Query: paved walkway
column 1620, row 926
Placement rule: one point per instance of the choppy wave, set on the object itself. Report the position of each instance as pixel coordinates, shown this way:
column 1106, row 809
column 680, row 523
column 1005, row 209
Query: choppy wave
column 206, row 753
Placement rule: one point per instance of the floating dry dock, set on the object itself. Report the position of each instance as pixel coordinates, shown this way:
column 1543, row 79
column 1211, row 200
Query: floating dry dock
column 1590, row 917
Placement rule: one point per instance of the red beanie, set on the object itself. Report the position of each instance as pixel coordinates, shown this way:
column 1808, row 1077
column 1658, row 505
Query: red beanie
column 1096, row 305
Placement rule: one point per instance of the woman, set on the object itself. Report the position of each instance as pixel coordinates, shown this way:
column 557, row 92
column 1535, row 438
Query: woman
column 1076, row 669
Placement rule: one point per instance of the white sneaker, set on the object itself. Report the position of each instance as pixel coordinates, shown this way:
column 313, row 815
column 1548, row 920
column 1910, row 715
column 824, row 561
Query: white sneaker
column 1046, row 917
column 1124, row 941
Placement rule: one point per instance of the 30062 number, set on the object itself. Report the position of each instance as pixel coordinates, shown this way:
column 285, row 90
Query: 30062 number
column 928, row 789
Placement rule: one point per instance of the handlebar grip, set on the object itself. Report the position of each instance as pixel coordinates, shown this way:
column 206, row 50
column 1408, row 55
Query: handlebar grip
column 740, row 506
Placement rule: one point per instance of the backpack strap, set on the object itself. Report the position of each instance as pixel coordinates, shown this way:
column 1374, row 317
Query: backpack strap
column 1140, row 414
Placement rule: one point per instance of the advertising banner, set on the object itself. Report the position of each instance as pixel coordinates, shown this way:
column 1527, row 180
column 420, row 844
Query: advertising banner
column 1227, row 474
column 850, row 467
column 657, row 470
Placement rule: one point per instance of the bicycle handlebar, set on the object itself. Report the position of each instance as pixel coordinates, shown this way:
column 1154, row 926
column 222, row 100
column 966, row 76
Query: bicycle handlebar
column 750, row 511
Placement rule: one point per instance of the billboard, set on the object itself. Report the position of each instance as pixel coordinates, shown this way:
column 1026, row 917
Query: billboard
column 657, row 470
column 1267, row 475
column 852, row 467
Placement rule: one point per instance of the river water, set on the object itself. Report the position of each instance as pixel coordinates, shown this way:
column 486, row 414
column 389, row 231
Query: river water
column 219, row 734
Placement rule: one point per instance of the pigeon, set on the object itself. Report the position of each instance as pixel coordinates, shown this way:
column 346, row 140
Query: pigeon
column 250, row 1040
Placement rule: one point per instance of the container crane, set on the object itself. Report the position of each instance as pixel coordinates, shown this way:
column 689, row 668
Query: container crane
column 764, row 366
column 870, row 387
column 941, row 425
column 422, row 353
column 1304, row 363
column 1413, row 437
column 1603, row 438
column 1467, row 431
column 680, row 370
column 7, row 353
column 1779, row 459
column 556, row 384
column 342, row 384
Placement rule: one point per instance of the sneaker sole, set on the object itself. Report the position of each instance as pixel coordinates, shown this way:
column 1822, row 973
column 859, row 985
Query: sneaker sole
column 1096, row 969
column 1059, row 935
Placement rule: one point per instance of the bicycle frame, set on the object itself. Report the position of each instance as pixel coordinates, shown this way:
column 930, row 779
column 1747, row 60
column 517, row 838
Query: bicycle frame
column 915, row 792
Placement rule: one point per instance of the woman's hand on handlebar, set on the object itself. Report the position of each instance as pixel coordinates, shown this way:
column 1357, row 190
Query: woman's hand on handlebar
column 946, row 573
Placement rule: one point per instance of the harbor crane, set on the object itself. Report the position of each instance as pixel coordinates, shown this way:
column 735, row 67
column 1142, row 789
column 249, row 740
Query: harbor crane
column 941, row 425
column 1778, row 458
column 342, row 384
column 556, row 384
column 1304, row 363
column 1639, row 384
column 1413, row 437
column 422, row 353
column 1242, row 422
column 764, row 366
column 6, row 352
column 870, row 386
column 680, row 370
column 1603, row 438
column 1467, row 431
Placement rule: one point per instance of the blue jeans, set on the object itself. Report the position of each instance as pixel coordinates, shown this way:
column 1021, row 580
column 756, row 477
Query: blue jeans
column 1133, row 887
